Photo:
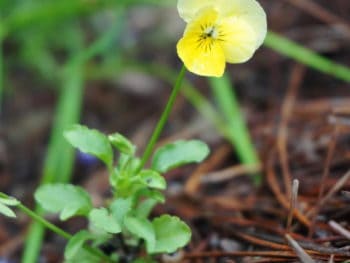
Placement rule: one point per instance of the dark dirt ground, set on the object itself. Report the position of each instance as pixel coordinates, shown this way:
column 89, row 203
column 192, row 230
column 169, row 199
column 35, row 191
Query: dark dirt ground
column 299, row 120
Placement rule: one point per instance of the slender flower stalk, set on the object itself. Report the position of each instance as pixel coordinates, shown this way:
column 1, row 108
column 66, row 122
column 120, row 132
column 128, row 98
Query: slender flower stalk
column 163, row 118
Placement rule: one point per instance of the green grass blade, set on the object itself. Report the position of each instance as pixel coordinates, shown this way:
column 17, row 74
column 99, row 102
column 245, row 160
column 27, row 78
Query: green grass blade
column 56, row 11
column 228, row 104
column 60, row 155
column 58, row 165
column 306, row 56
column 49, row 12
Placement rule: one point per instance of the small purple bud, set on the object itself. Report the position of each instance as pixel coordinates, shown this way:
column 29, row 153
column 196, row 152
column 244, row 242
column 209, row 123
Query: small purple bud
column 86, row 159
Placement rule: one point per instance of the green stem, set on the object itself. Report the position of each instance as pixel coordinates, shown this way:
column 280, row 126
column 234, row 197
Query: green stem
column 39, row 219
column 163, row 118
column 55, row 228
column 44, row 222
column 59, row 231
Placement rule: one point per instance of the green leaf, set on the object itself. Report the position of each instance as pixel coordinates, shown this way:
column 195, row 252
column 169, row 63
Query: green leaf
column 153, row 179
column 142, row 228
column 152, row 194
column 75, row 244
column 179, row 153
column 6, row 211
column 122, row 143
column 144, row 260
column 101, row 219
column 69, row 200
column 84, row 256
column 5, row 202
column 131, row 166
column 171, row 234
column 145, row 207
column 92, row 142
column 120, row 207
column 10, row 201
column 69, row 211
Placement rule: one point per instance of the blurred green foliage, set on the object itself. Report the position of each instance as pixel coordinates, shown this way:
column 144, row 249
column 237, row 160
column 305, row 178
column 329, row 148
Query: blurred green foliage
column 52, row 40
column 45, row 33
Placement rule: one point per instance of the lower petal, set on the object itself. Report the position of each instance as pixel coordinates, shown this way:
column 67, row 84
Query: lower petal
column 201, row 60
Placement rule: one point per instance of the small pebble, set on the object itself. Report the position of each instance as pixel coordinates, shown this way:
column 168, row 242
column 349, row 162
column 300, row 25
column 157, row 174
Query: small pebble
column 229, row 245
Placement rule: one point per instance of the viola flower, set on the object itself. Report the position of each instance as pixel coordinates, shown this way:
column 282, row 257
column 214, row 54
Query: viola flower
column 219, row 31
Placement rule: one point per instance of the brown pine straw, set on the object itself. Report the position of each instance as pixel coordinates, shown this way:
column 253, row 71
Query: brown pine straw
column 297, row 76
column 330, row 154
column 193, row 184
column 316, row 10
column 262, row 242
column 273, row 184
column 265, row 253
column 230, row 173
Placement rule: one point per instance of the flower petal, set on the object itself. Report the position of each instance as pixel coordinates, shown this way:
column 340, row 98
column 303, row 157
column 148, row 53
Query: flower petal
column 188, row 8
column 238, row 39
column 248, row 10
column 199, row 60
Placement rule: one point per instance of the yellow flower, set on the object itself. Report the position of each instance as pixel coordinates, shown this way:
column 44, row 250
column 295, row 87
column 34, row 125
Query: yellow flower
column 219, row 31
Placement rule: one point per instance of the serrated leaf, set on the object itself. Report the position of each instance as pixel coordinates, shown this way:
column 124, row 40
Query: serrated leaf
column 179, row 153
column 120, row 207
column 69, row 200
column 6, row 211
column 75, row 244
column 10, row 201
column 153, row 179
column 142, row 228
column 171, row 234
column 92, row 142
column 122, row 143
column 100, row 218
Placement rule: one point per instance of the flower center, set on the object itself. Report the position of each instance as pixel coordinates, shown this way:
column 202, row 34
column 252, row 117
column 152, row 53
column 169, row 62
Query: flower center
column 208, row 36
column 209, row 31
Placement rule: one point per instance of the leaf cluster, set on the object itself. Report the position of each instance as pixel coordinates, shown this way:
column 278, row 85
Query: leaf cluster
column 135, row 191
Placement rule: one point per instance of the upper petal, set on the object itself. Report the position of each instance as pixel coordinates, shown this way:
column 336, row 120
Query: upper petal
column 250, row 11
column 188, row 8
